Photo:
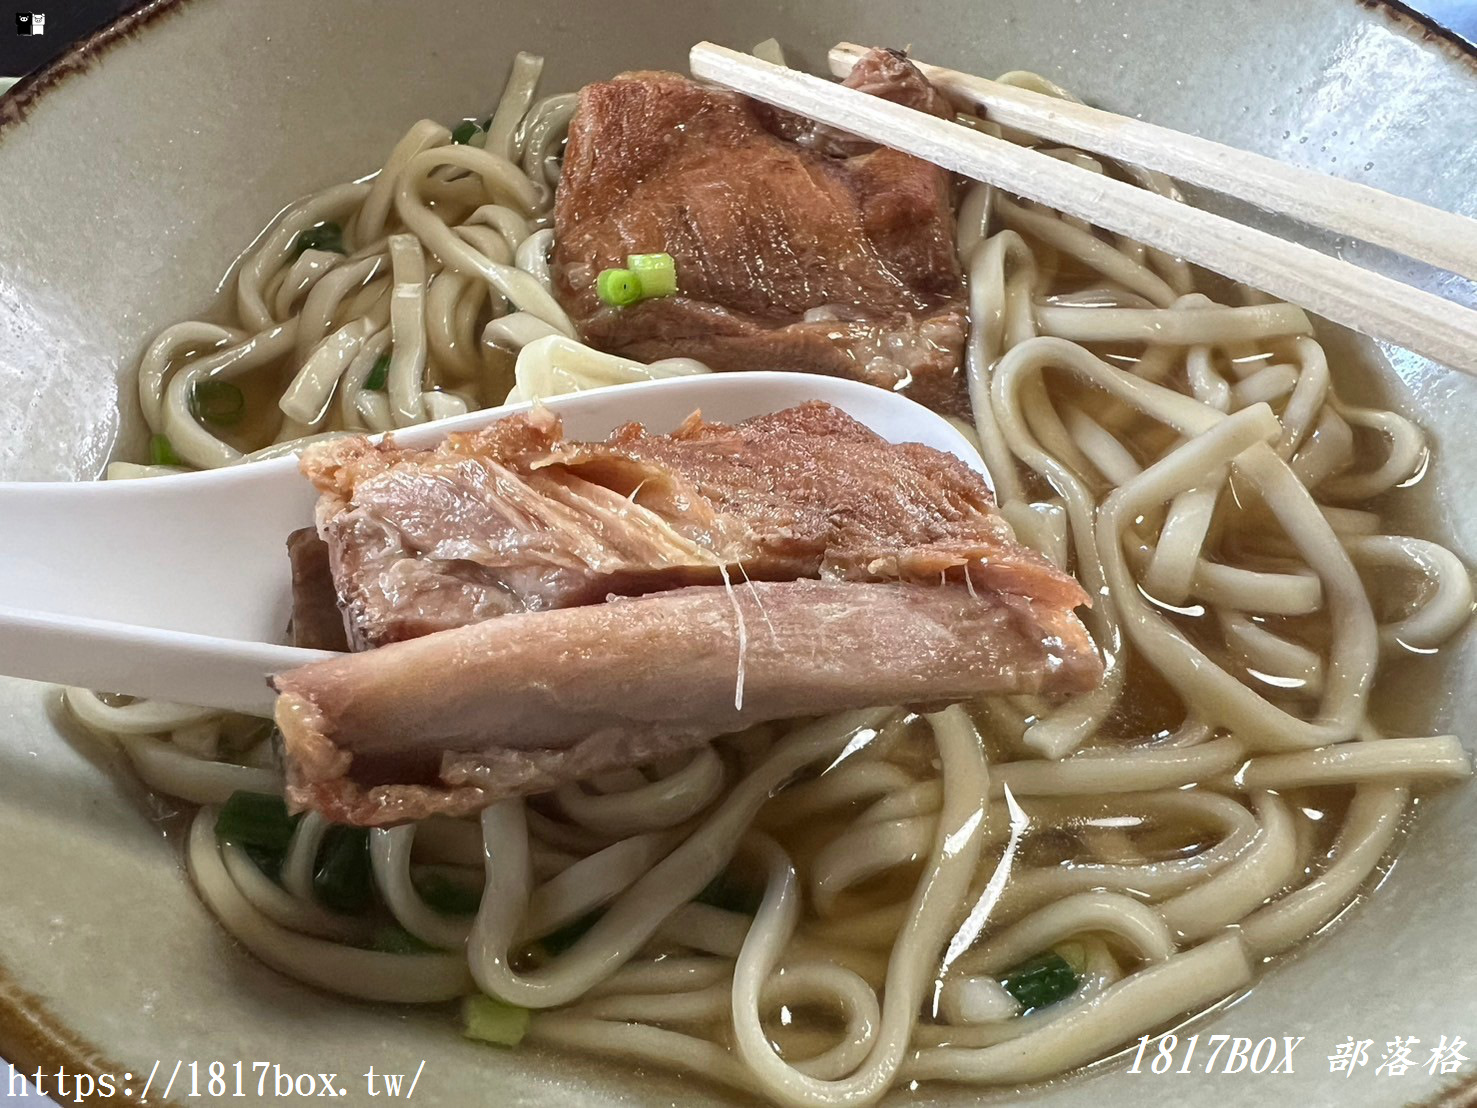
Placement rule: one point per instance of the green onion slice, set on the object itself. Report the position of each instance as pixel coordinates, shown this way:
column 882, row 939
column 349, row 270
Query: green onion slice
column 618, row 287
column 379, row 374
column 1042, row 980
column 257, row 820
column 492, row 1021
column 326, row 236
column 465, row 132
column 161, row 452
column 217, row 402
column 344, row 880
column 655, row 273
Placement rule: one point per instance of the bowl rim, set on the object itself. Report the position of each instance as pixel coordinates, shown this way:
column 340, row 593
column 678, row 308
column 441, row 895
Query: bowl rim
column 79, row 57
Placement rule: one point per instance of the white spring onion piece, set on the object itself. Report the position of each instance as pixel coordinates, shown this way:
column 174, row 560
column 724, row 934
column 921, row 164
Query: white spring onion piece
column 976, row 1000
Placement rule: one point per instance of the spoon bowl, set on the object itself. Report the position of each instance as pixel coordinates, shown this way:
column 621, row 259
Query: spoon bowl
column 178, row 587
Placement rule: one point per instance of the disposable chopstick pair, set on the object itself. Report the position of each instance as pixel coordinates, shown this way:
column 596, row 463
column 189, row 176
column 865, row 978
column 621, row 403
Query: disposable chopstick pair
column 1369, row 302
column 1358, row 211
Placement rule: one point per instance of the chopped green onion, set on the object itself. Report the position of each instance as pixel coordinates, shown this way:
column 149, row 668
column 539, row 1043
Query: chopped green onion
column 492, row 1021
column 344, row 880
column 557, row 942
column 255, row 820
column 726, row 893
column 646, row 277
column 161, row 452
column 486, row 124
column 326, row 236
column 655, row 273
column 1042, row 980
column 618, row 287
column 380, row 374
column 268, row 861
column 394, row 939
column 447, row 895
column 465, row 132
column 218, row 402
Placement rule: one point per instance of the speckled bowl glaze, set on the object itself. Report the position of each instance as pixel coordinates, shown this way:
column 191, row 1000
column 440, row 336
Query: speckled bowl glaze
column 136, row 167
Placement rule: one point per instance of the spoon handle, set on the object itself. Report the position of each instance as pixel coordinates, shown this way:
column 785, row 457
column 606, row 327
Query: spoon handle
column 145, row 661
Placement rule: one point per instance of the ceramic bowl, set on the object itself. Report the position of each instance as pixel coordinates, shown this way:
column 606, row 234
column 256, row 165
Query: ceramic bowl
column 137, row 166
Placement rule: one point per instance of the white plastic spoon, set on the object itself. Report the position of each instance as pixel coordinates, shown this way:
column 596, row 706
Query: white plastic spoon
column 179, row 588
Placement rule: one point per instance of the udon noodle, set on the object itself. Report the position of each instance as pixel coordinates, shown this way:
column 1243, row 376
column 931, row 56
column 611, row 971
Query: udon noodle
column 1180, row 445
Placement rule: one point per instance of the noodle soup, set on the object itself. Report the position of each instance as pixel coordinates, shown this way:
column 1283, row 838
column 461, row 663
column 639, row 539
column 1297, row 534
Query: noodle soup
column 815, row 912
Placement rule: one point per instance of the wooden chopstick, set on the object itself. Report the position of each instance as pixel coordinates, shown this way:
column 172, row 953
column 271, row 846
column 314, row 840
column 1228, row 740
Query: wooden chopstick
column 1345, row 207
column 1344, row 293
